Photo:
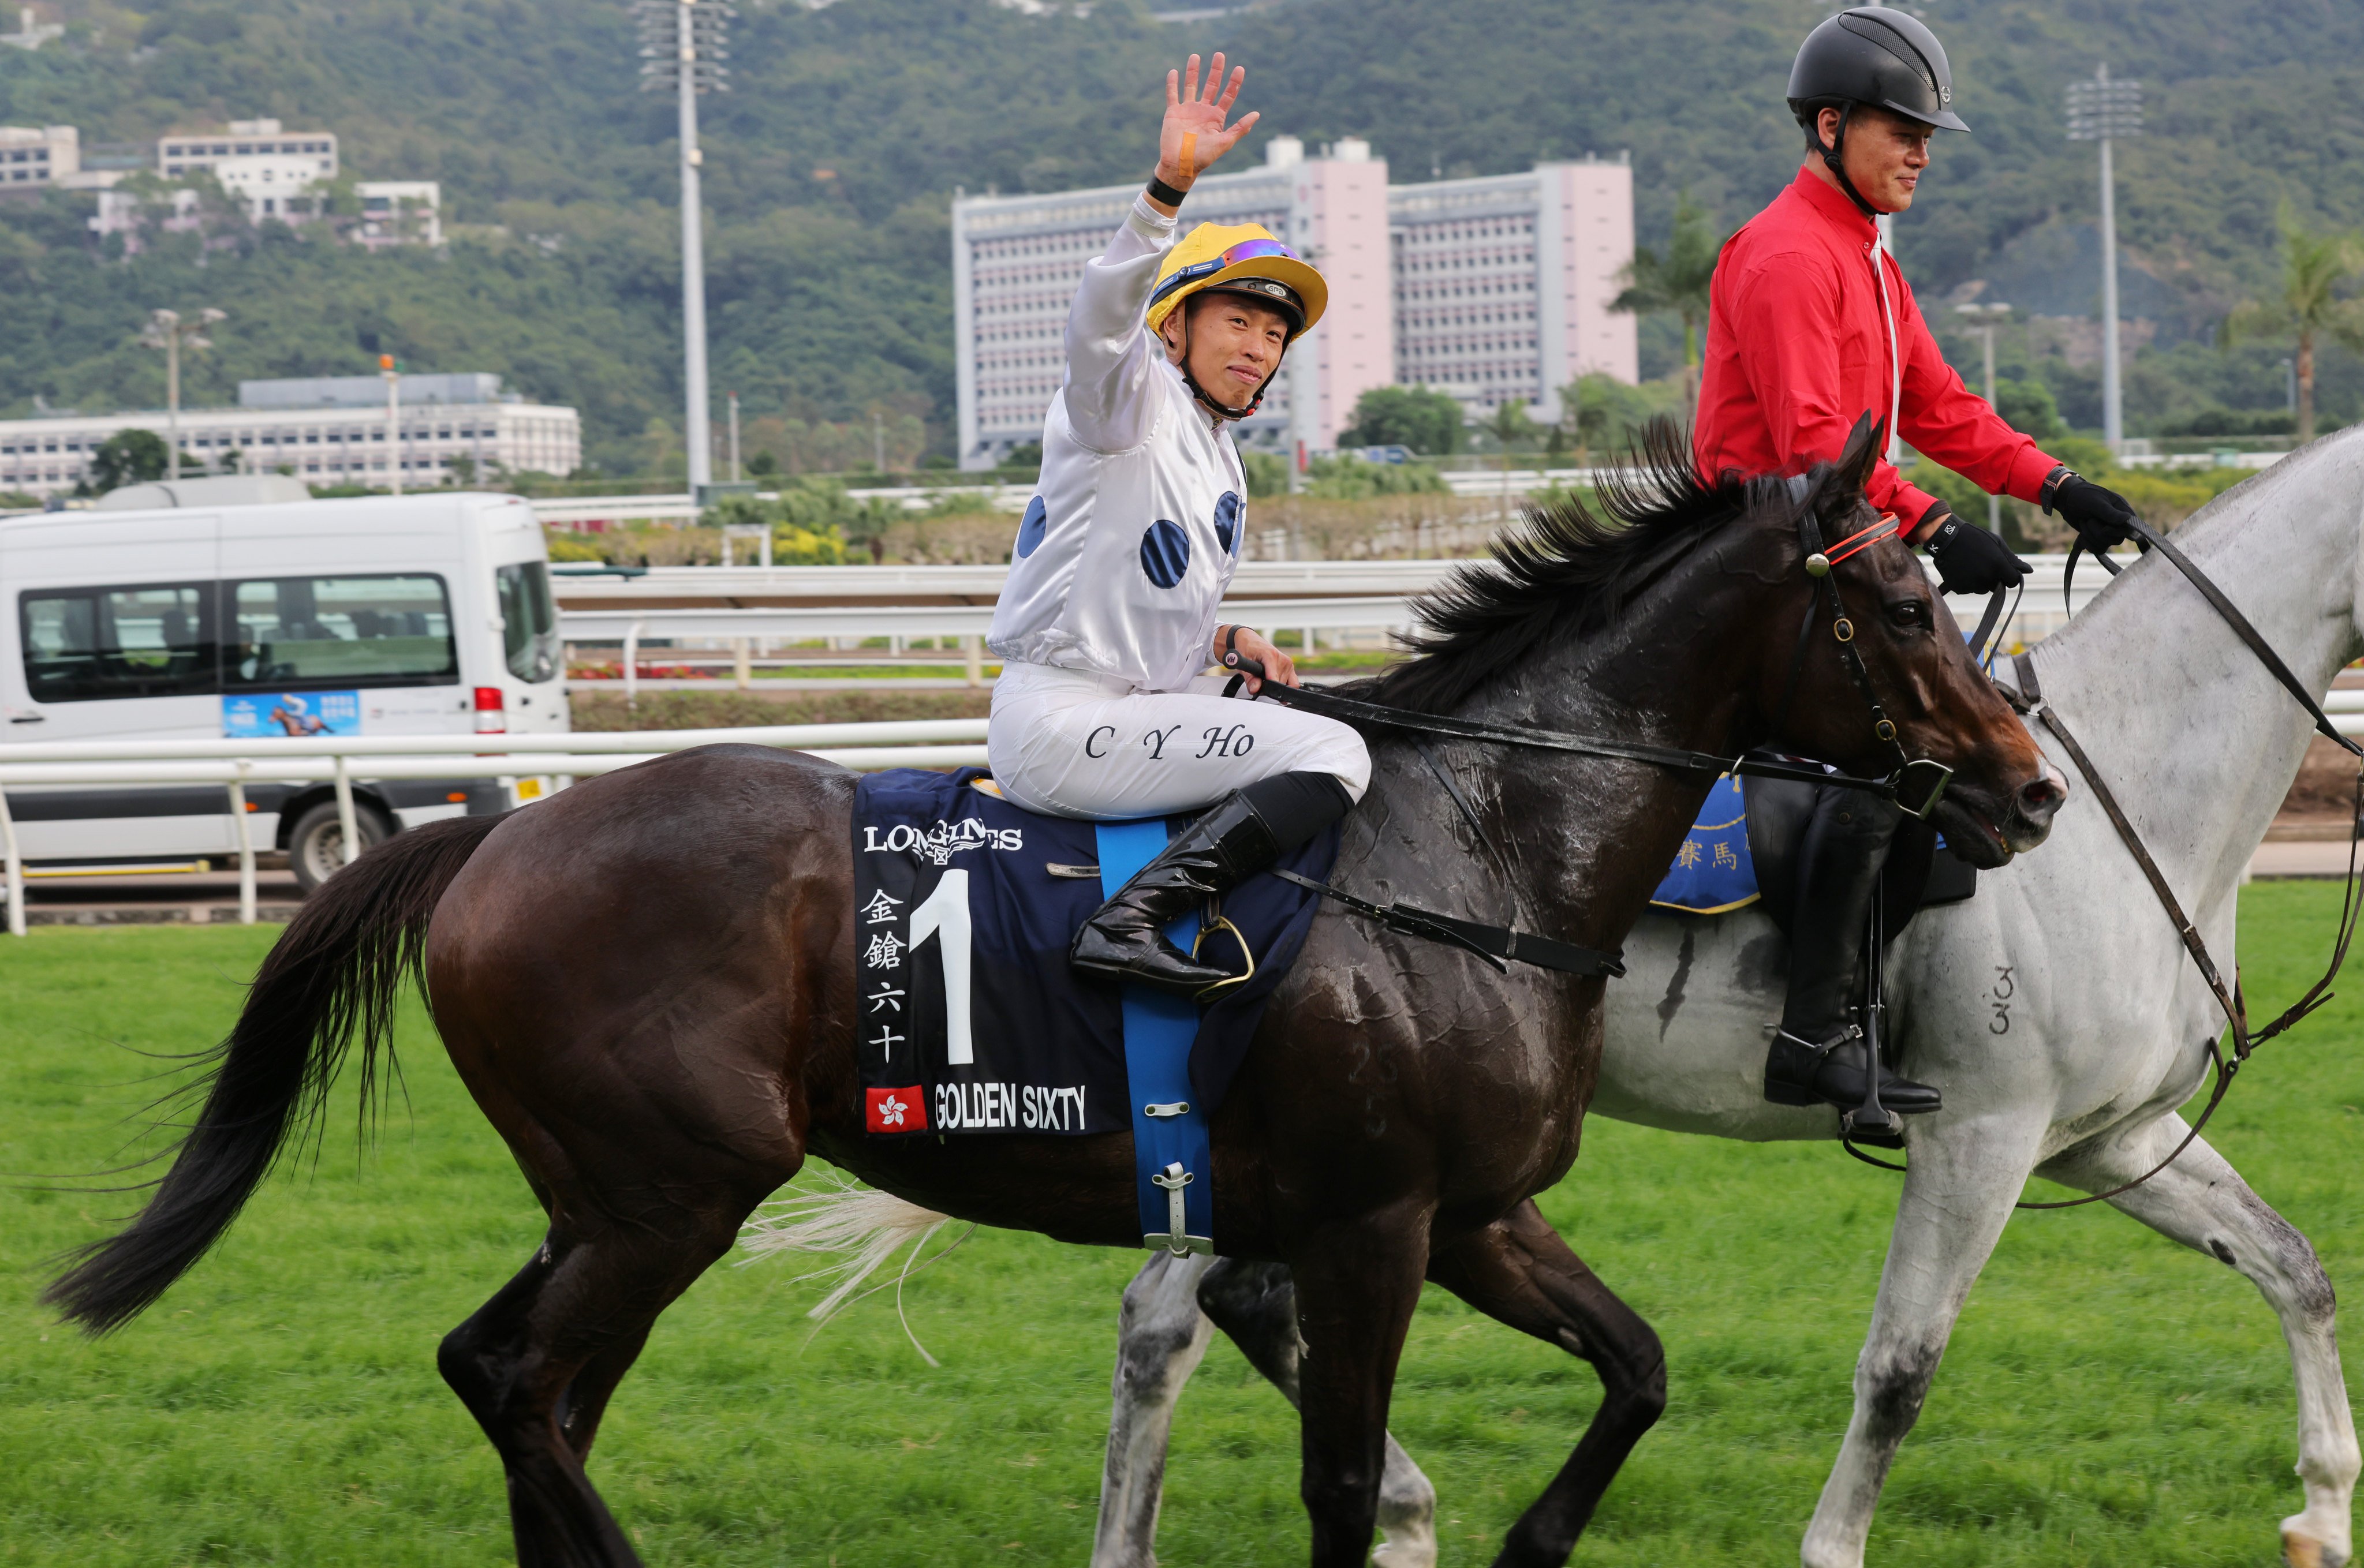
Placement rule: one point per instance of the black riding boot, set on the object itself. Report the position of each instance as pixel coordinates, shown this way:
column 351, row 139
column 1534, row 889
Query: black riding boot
column 1241, row 834
column 1820, row 1056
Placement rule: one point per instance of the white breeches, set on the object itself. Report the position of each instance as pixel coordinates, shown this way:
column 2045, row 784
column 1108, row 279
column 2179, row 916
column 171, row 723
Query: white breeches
column 1075, row 744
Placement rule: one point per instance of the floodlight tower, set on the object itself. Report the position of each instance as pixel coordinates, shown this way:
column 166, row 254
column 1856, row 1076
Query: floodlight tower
column 168, row 330
column 1983, row 320
column 2102, row 110
column 683, row 46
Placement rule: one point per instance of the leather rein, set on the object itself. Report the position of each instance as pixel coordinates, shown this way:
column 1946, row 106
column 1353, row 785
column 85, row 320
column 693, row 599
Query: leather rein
column 2029, row 699
column 1916, row 786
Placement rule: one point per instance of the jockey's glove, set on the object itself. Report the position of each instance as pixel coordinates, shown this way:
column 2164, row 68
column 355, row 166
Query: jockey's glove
column 2100, row 516
column 1970, row 559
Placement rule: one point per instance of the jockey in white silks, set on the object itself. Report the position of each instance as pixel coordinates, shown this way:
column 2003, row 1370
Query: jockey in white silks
column 1109, row 615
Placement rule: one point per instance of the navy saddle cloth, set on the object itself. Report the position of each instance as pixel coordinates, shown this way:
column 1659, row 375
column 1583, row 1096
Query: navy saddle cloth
column 971, row 1020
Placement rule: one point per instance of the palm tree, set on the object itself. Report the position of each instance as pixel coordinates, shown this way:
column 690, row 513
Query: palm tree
column 2310, row 304
column 1677, row 282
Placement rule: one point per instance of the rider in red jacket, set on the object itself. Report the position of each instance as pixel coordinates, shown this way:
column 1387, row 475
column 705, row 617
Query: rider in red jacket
column 1812, row 325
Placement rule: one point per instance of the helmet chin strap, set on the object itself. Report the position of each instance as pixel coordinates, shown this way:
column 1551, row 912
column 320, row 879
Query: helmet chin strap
column 1222, row 410
column 1834, row 159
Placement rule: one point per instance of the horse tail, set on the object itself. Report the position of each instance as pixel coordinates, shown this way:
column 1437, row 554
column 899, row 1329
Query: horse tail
column 337, row 969
column 868, row 1224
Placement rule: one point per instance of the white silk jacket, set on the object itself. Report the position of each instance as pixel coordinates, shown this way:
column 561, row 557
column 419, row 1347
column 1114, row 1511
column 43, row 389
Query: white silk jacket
column 1128, row 546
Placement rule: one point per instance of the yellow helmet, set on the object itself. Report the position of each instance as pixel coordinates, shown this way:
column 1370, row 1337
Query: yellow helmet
column 1241, row 258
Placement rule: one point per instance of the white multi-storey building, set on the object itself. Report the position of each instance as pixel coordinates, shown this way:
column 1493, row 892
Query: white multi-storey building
column 1493, row 289
column 327, row 432
column 35, row 157
column 394, row 212
column 258, row 161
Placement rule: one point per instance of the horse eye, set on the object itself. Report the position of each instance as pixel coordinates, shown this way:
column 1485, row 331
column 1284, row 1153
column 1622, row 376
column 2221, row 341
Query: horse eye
column 1909, row 613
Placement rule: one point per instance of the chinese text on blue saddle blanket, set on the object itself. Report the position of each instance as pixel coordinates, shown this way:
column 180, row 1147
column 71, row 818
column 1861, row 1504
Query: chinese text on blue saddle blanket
column 1713, row 870
column 971, row 1020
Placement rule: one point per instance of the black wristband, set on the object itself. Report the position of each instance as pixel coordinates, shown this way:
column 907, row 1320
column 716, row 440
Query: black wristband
column 2051, row 486
column 1159, row 191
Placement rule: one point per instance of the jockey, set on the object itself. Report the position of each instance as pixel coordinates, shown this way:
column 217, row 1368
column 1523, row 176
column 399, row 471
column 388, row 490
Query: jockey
column 1109, row 616
column 1811, row 323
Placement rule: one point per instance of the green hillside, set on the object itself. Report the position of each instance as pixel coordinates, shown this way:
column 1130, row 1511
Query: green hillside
column 829, row 165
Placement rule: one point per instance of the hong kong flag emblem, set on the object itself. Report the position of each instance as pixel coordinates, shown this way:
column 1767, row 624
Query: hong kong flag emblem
column 896, row 1110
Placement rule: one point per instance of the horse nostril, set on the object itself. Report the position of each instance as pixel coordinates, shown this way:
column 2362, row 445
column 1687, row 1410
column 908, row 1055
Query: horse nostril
column 2040, row 797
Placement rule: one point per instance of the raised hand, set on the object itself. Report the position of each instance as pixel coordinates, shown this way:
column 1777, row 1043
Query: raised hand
column 1194, row 134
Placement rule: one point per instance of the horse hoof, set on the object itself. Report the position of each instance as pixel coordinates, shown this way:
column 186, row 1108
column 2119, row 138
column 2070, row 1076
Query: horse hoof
column 2305, row 1551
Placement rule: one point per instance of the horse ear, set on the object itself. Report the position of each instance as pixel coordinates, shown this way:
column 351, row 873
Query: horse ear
column 1864, row 445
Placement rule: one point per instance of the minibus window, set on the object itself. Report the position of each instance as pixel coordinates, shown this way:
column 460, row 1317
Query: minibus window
column 88, row 644
column 529, row 620
column 341, row 631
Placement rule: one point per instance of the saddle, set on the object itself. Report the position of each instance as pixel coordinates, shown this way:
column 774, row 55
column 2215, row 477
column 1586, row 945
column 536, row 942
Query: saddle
column 1921, row 872
column 972, row 1022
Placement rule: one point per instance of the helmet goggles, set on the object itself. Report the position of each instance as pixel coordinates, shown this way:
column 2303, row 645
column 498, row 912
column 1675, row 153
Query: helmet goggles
column 1245, row 251
column 1245, row 260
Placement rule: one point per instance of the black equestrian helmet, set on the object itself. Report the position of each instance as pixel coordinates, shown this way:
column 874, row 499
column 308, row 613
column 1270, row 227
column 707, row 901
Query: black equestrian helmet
column 1877, row 55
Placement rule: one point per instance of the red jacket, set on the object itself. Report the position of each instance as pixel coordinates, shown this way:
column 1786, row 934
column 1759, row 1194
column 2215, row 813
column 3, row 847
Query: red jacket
column 1796, row 351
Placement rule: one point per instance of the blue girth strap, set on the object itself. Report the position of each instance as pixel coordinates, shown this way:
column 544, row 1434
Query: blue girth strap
column 1172, row 1161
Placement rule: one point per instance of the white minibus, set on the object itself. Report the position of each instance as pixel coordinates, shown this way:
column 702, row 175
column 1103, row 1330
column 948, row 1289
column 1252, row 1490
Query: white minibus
column 418, row 615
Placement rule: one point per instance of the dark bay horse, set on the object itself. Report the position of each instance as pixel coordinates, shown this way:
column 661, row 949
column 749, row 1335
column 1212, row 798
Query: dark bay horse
column 648, row 984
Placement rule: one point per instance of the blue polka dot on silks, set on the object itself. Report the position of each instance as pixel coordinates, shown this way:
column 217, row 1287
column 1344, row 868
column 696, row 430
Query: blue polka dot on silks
column 1227, row 522
column 1165, row 552
column 1030, row 530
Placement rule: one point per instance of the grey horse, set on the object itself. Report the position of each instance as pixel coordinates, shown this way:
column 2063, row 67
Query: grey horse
column 2103, row 1042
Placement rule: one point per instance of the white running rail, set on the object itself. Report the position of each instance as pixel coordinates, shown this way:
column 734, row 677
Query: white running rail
column 967, row 623
column 235, row 764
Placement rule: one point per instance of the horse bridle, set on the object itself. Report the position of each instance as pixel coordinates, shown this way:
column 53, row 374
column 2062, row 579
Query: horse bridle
column 1923, row 779
column 2029, row 701
column 1916, row 786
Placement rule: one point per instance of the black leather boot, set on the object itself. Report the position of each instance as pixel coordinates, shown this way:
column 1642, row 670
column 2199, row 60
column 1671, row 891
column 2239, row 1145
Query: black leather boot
column 1799, row 1071
column 1125, row 940
column 1819, row 1058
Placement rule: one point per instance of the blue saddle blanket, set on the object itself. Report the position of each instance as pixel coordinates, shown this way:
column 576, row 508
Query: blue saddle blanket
column 1713, row 870
column 971, row 1020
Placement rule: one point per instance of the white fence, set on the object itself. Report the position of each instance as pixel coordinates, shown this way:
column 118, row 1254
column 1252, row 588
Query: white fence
column 965, row 623
column 565, row 511
column 234, row 764
column 1384, row 605
column 579, row 588
column 936, row 743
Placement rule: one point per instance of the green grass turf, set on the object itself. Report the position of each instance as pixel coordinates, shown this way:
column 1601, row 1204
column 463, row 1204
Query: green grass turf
column 2109, row 1398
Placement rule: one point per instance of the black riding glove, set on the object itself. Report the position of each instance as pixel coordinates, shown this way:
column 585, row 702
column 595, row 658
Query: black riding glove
column 1970, row 559
column 2100, row 516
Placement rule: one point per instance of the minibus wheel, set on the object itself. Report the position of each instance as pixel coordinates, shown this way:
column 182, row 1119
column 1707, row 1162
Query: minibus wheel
column 316, row 847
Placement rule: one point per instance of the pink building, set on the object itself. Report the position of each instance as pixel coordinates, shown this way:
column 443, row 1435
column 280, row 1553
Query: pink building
column 1338, row 221
column 1502, row 285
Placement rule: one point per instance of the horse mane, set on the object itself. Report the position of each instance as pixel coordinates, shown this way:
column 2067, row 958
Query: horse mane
column 1566, row 569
